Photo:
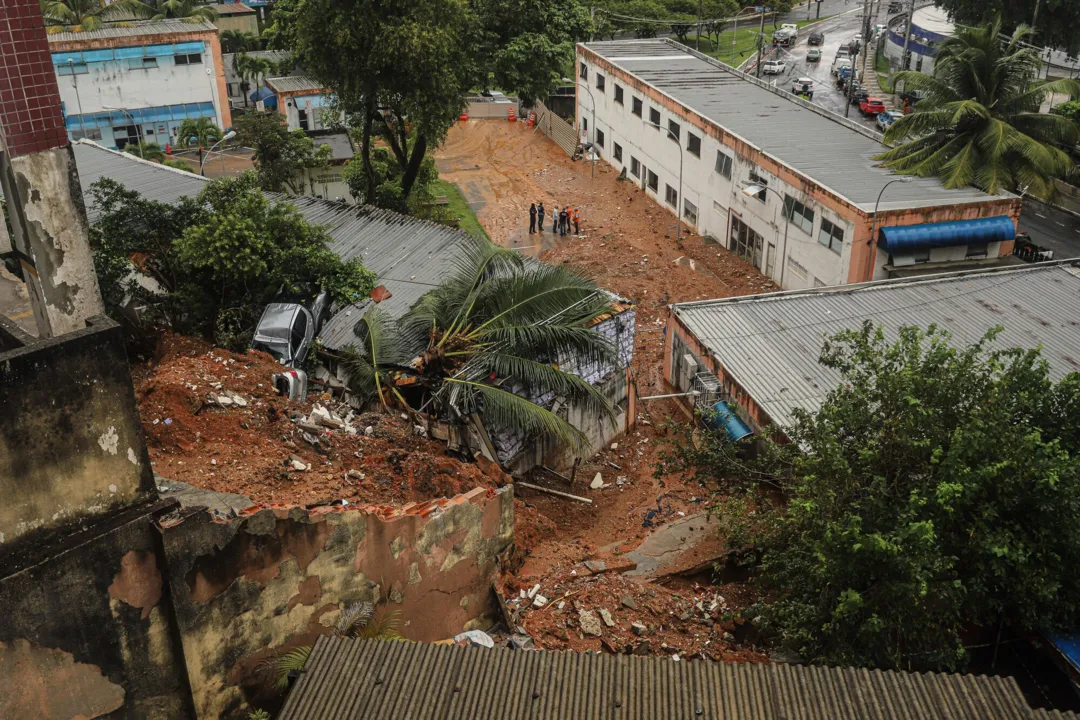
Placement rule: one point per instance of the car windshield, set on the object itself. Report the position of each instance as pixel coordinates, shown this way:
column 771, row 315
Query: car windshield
column 276, row 321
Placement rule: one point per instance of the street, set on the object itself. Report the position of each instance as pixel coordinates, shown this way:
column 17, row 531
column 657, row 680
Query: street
column 1053, row 229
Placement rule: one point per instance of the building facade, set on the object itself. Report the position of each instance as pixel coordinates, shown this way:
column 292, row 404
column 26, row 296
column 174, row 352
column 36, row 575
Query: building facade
column 695, row 134
column 302, row 100
column 236, row 16
column 139, row 80
column 235, row 84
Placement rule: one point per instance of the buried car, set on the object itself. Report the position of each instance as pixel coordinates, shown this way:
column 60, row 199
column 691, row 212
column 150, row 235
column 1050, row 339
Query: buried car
column 285, row 331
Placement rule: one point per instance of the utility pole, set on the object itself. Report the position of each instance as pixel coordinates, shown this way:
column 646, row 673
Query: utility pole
column 907, row 36
column 818, row 9
column 698, row 46
column 760, row 42
column 861, row 49
column 1035, row 19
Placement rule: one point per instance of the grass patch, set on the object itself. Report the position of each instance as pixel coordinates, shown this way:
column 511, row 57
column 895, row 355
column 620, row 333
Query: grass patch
column 459, row 208
column 884, row 72
column 745, row 43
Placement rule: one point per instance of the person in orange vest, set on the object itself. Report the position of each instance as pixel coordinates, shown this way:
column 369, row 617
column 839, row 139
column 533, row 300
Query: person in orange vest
column 577, row 220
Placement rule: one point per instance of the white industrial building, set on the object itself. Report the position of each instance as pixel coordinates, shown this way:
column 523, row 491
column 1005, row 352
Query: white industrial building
column 721, row 130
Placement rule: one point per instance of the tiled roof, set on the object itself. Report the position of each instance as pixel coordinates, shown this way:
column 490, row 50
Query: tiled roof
column 135, row 29
column 346, row 679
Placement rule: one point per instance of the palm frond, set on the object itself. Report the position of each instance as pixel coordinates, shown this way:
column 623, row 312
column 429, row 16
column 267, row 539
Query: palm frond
column 385, row 628
column 353, row 619
column 541, row 378
column 504, row 410
column 280, row 667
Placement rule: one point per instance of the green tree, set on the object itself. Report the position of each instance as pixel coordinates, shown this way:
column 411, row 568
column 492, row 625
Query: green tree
column 238, row 41
column 184, row 9
column 204, row 130
column 282, row 158
column 979, row 123
column 495, row 333
column 219, row 257
column 146, row 151
column 1070, row 110
column 178, row 164
column 937, row 488
column 89, row 14
column 249, row 67
column 525, row 46
column 393, row 68
column 1058, row 24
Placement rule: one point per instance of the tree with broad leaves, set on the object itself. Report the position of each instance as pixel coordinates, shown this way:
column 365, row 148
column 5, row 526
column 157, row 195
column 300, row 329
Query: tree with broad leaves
column 184, row 10
column 201, row 132
column 60, row 15
column 979, row 123
column 936, row 490
column 237, row 41
column 1058, row 24
column 282, row 157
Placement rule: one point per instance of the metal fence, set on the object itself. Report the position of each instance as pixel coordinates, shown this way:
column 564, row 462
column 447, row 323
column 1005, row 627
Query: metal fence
column 562, row 132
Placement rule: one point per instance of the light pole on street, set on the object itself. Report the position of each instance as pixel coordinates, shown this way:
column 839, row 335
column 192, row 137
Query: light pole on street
column 735, row 33
column 202, row 161
column 678, row 208
column 138, row 130
column 593, row 100
column 753, row 190
column 873, row 224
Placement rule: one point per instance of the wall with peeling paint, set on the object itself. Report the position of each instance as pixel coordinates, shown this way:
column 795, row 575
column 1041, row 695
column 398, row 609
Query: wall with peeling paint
column 86, row 628
column 278, row 577
column 71, row 445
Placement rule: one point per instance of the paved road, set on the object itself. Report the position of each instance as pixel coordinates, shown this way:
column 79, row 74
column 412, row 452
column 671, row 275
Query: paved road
column 1053, row 229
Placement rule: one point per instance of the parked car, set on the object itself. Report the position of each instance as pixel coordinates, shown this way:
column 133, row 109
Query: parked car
column 872, row 106
column 287, row 329
column 844, row 74
column 857, row 94
column 842, row 57
column 813, row 55
column 895, row 7
column 885, row 120
column 774, row 67
column 816, row 38
column 803, row 86
column 783, row 38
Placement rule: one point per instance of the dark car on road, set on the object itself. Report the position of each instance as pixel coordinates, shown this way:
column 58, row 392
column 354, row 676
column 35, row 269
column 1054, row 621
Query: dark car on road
column 816, row 38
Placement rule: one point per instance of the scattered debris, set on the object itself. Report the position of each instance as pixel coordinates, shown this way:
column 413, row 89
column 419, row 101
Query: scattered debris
column 589, row 623
column 605, row 615
column 478, row 638
column 597, row 482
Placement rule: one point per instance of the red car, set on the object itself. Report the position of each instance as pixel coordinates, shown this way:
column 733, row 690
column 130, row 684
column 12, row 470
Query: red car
column 872, row 106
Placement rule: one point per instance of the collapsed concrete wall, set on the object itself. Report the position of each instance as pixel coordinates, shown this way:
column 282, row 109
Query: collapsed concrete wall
column 86, row 626
column 71, row 444
column 277, row 577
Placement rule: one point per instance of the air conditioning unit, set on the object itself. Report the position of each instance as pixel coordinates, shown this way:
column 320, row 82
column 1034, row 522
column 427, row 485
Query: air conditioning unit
column 708, row 390
column 688, row 366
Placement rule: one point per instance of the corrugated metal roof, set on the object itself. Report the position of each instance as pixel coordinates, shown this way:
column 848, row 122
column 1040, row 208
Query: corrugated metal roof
column 232, row 9
column 770, row 344
column 295, row 83
column 811, row 140
column 340, row 146
column 347, row 679
column 408, row 256
column 135, row 29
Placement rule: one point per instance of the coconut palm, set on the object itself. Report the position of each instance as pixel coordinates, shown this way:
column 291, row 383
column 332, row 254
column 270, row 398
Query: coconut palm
column 237, row 41
column 493, row 336
column 183, row 9
column 204, row 130
column 89, row 14
column 979, row 123
column 249, row 67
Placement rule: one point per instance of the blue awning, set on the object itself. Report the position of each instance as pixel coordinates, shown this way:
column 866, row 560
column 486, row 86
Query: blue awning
column 1069, row 646
column 721, row 416
column 266, row 95
column 906, row 239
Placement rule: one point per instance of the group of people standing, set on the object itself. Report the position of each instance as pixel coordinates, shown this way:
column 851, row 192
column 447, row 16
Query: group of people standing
column 561, row 219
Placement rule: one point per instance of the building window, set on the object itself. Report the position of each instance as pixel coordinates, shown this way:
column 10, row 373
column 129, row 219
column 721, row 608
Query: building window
column 689, row 211
column 146, row 63
column 693, row 144
column 723, row 164
column 599, row 137
column 797, row 268
column 635, row 167
column 977, row 251
column 585, row 124
column 599, row 82
column 584, row 71
column 654, row 182
column 88, row 134
column 192, row 59
column 758, row 179
column 819, row 283
column 654, row 117
column 744, row 242
column 618, row 152
column 831, row 236
column 618, row 94
column 799, row 215
column 673, row 128
column 72, row 69
column 636, row 106
column 234, row 88
column 671, row 196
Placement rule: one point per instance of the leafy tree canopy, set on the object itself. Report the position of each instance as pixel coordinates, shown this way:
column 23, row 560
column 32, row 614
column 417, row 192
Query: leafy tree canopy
column 204, row 131
column 281, row 156
column 937, row 488
column 1058, row 21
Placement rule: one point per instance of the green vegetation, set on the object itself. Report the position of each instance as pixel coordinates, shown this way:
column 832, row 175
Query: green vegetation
column 458, row 208
column 746, row 43
column 63, row 15
column 204, row 130
column 282, row 158
column 1058, row 21
column 937, row 489
column 884, row 71
column 979, row 123
column 218, row 258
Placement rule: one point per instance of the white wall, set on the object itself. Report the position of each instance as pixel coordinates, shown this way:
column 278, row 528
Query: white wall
column 293, row 105
column 715, row 196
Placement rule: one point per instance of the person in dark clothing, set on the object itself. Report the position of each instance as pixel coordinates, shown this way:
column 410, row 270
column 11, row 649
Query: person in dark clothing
column 577, row 221
column 562, row 221
column 532, row 218
column 540, row 217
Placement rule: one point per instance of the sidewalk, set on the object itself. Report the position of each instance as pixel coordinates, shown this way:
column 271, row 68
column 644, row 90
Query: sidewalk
column 870, row 79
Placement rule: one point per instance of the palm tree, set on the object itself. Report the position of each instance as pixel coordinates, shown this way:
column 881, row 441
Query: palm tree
column 249, row 67
column 237, row 41
column 62, row 15
column 493, row 336
column 204, row 130
column 979, row 123
column 183, row 9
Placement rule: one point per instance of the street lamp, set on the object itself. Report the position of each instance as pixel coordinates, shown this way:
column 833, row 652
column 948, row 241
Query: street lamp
column 593, row 99
column 678, row 208
column 753, row 190
column 138, row 130
column 735, row 33
column 75, row 81
column 873, row 224
column 202, row 161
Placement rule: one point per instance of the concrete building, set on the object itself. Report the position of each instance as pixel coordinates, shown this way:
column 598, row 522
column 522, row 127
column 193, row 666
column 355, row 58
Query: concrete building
column 759, row 354
column 234, row 84
column 695, row 133
column 930, row 26
column 139, row 80
column 236, row 16
column 302, row 100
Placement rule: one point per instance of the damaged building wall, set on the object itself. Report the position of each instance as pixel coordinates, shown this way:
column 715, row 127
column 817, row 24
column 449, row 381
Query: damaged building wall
column 71, row 444
column 86, row 628
column 277, row 577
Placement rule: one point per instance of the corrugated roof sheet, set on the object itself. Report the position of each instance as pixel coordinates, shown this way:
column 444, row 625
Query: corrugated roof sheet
column 295, row 83
column 408, row 256
column 811, row 140
column 135, row 29
column 770, row 344
column 347, row 679
column 340, row 146
column 232, row 9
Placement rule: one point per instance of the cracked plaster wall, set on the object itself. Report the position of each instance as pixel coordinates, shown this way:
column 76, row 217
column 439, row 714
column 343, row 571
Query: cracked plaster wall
column 278, row 577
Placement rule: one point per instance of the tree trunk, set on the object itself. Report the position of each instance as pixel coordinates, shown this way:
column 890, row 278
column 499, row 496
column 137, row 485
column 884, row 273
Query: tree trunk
column 413, row 168
column 365, row 145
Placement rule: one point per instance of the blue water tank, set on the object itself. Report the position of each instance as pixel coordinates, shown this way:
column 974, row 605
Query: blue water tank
column 721, row 416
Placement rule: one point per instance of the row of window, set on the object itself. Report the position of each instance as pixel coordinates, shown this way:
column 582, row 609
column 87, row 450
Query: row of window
column 142, row 63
